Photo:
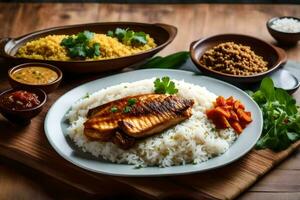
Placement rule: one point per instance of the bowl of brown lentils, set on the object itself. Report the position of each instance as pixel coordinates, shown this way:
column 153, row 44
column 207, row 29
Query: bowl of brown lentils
column 236, row 58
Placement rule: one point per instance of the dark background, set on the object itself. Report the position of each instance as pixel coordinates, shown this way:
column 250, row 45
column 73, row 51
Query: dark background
column 165, row 1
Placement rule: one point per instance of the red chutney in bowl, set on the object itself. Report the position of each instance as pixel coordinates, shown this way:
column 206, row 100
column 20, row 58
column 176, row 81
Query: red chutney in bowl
column 20, row 100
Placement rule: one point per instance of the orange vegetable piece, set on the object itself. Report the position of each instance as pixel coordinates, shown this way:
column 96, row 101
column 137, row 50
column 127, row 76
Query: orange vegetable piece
column 211, row 113
column 233, row 116
column 222, row 112
column 248, row 113
column 221, row 101
column 237, row 104
column 244, row 117
column 221, row 122
column 243, row 124
column 228, row 107
column 237, row 127
column 229, row 113
column 230, row 101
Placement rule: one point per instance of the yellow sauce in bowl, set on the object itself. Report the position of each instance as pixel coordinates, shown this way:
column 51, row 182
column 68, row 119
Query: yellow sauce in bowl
column 35, row 75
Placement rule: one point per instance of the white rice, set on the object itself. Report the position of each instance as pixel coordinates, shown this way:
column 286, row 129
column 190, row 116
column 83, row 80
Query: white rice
column 288, row 25
column 192, row 141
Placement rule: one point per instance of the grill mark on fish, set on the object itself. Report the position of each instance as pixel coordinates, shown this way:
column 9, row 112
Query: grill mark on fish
column 151, row 114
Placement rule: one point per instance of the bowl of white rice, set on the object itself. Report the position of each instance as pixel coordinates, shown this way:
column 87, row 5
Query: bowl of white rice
column 286, row 30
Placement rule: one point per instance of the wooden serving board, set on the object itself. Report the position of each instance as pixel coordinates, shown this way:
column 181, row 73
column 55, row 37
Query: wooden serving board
column 30, row 146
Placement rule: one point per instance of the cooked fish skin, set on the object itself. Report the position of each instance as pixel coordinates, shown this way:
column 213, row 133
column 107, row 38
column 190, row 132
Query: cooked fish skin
column 123, row 141
column 151, row 114
column 155, row 116
column 104, row 121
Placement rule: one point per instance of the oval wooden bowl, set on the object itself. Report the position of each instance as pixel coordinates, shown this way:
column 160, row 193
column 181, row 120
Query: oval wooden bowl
column 163, row 35
column 275, row 56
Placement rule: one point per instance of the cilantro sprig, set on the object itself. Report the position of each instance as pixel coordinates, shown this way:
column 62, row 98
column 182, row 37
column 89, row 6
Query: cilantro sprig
column 129, row 37
column 281, row 126
column 78, row 46
column 164, row 86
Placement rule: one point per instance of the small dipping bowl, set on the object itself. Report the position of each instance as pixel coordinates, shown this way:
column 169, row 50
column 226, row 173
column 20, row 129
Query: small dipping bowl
column 47, row 87
column 283, row 38
column 22, row 116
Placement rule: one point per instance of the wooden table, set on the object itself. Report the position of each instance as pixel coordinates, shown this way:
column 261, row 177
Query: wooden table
column 193, row 21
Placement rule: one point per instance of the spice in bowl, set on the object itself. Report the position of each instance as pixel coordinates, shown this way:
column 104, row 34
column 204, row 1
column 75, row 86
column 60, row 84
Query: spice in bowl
column 34, row 75
column 288, row 25
column 20, row 100
column 20, row 106
column 234, row 59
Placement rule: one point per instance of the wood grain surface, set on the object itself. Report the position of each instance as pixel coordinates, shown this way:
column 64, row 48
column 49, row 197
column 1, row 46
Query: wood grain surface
column 193, row 21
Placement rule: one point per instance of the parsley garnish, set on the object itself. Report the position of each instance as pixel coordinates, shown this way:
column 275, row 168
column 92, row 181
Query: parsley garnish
column 129, row 37
column 127, row 109
column 132, row 101
column 79, row 47
column 164, row 86
column 114, row 109
column 281, row 126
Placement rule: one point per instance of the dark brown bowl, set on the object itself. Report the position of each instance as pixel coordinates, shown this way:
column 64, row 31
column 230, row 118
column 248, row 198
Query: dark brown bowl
column 283, row 38
column 48, row 88
column 163, row 35
column 23, row 117
column 275, row 56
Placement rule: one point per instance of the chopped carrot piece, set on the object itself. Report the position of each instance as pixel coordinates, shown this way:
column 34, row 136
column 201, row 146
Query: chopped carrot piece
column 221, row 101
column 243, row 124
column 242, row 106
column 221, row 122
column 233, row 116
column 237, row 127
column 223, row 112
column 211, row 113
column 248, row 113
column 243, row 116
column 230, row 101
column 236, row 105
column 229, row 113
column 228, row 107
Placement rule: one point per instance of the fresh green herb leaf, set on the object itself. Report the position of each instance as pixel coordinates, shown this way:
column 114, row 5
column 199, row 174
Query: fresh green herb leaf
column 129, row 37
column 172, row 61
column 110, row 33
column 127, row 109
column 132, row 101
column 79, row 47
column 164, row 86
column 281, row 125
column 114, row 109
column 139, row 38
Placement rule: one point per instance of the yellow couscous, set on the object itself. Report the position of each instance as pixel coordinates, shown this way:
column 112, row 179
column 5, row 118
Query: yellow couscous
column 49, row 48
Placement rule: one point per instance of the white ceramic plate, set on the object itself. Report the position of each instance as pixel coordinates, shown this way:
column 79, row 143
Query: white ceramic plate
column 55, row 125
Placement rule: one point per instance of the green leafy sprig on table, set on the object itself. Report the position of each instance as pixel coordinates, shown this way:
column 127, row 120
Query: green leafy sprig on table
column 172, row 61
column 281, row 126
column 78, row 46
column 164, row 86
column 129, row 37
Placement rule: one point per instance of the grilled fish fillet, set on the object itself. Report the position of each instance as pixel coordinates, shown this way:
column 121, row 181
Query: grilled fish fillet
column 149, row 115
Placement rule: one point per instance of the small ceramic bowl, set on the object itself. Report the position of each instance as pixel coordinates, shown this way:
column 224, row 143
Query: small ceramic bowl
column 23, row 116
column 48, row 88
column 283, row 38
column 275, row 56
